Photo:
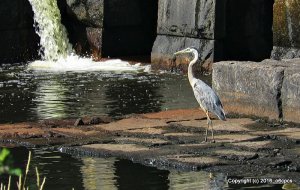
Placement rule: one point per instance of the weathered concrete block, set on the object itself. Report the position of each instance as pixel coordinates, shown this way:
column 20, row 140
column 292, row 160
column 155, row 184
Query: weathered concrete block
column 250, row 88
column 94, row 37
column 89, row 12
column 286, row 25
column 286, row 29
column 279, row 53
column 198, row 22
column 290, row 93
column 165, row 46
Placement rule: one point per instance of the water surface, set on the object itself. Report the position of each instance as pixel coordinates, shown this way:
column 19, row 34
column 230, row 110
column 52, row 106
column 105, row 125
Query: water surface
column 33, row 95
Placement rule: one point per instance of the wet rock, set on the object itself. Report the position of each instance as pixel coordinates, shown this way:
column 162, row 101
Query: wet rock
column 195, row 161
column 293, row 168
column 250, row 88
column 95, row 121
column 236, row 155
column 130, row 124
column 285, row 53
column 78, row 122
column 280, row 162
column 165, row 46
column 286, row 29
column 89, row 12
column 94, row 37
column 256, row 145
column 291, row 93
column 153, row 142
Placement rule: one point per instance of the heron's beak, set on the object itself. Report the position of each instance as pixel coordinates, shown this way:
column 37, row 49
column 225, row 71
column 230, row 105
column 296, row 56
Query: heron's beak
column 179, row 52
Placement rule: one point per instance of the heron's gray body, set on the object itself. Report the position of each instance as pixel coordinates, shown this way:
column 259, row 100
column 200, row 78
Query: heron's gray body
column 204, row 94
column 208, row 99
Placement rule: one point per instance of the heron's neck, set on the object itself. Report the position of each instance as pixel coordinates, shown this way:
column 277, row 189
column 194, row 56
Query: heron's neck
column 190, row 68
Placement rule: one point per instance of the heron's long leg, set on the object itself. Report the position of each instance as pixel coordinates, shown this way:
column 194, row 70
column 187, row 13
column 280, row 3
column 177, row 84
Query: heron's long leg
column 208, row 122
column 212, row 132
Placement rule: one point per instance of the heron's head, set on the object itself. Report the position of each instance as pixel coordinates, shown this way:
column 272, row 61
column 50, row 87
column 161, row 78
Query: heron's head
column 187, row 50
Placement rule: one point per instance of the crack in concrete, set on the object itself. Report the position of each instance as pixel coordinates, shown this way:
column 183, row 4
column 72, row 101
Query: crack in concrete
column 279, row 98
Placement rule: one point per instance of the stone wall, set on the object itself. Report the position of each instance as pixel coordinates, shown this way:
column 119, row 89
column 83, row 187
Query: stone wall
column 84, row 22
column 18, row 39
column 286, row 29
column 186, row 23
column 269, row 89
column 221, row 30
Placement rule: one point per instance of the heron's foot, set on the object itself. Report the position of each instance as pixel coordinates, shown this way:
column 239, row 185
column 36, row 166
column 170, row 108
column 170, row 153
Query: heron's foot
column 209, row 122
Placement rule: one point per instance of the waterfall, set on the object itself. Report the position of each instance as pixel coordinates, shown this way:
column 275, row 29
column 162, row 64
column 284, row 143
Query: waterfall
column 56, row 51
column 54, row 38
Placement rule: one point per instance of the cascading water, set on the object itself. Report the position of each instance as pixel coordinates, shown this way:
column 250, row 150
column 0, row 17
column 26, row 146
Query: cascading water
column 56, row 51
column 54, row 40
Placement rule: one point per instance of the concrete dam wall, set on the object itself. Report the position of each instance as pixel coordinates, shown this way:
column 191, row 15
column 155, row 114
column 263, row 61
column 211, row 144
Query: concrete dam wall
column 223, row 30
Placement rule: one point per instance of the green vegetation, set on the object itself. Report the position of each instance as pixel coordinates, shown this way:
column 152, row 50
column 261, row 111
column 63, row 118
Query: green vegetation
column 6, row 164
column 7, row 168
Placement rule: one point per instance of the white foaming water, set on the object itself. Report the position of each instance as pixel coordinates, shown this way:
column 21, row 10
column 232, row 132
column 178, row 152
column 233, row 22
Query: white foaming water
column 77, row 64
column 56, row 51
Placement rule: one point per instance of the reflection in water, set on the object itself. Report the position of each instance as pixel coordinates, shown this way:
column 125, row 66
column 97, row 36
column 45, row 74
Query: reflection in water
column 195, row 180
column 61, row 170
column 50, row 97
column 99, row 173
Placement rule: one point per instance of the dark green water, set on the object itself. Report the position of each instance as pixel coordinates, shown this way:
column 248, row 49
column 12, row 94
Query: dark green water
column 29, row 95
column 64, row 171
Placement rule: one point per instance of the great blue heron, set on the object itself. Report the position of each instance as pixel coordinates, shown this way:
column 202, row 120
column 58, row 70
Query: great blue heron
column 204, row 94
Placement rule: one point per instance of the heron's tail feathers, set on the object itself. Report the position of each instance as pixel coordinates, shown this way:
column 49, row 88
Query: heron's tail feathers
column 221, row 114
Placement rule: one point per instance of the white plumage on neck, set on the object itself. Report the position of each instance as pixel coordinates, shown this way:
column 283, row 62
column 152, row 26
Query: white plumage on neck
column 191, row 77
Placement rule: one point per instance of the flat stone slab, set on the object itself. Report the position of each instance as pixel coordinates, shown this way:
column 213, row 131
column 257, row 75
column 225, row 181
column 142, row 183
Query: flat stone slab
column 177, row 115
column 256, row 145
column 233, row 125
column 116, row 147
column 290, row 133
column 132, row 124
column 236, row 154
column 203, row 161
column 231, row 138
column 149, row 142
column 171, row 139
